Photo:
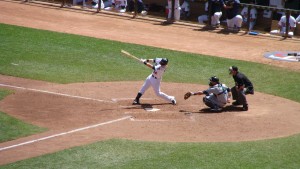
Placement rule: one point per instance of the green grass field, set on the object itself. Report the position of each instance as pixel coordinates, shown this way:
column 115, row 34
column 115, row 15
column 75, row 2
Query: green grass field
column 11, row 128
column 64, row 58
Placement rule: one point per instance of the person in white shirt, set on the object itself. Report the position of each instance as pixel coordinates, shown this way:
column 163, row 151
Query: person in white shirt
column 185, row 9
column 298, row 19
column 253, row 15
column 118, row 5
column 282, row 26
column 176, row 10
column 95, row 4
column 154, row 79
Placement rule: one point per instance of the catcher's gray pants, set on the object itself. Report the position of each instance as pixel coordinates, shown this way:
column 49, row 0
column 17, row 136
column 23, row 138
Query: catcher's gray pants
column 212, row 101
column 239, row 95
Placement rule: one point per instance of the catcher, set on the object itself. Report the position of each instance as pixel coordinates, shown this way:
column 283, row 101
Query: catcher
column 217, row 95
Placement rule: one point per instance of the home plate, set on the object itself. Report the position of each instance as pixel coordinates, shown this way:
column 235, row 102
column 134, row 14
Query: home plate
column 152, row 109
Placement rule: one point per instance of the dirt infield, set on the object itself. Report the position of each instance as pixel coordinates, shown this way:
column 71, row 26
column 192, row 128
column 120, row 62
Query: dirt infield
column 63, row 108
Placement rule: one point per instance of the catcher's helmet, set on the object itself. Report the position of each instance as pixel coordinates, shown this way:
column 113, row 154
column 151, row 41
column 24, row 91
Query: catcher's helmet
column 164, row 61
column 214, row 79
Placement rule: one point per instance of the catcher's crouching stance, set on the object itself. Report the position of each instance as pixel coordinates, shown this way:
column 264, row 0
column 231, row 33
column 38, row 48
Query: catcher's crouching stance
column 217, row 95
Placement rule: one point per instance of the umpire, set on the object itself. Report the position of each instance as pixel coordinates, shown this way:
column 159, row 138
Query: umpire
column 243, row 86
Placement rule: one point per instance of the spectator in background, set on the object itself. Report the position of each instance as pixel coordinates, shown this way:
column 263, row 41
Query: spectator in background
column 118, row 5
column 95, row 4
column 107, row 3
column 278, row 4
column 298, row 19
column 282, row 26
column 140, row 7
column 176, row 10
column 185, row 9
column 216, row 11
column 234, row 20
column 253, row 15
column 204, row 18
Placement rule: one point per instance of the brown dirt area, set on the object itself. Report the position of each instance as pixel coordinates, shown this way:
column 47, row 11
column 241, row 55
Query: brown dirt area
column 66, row 107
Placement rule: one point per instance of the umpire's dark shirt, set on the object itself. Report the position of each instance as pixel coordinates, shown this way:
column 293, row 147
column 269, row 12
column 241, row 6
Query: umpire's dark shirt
column 240, row 80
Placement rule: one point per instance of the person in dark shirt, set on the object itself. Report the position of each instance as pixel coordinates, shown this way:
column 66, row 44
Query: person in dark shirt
column 216, row 11
column 243, row 86
column 234, row 20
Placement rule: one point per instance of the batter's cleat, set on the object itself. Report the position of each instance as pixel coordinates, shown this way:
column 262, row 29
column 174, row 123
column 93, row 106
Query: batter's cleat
column 236, row 103
column 245, row 107
column 174, row 102
column 136, row 102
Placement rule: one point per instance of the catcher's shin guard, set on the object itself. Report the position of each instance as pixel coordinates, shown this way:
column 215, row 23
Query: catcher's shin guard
column 209, row 103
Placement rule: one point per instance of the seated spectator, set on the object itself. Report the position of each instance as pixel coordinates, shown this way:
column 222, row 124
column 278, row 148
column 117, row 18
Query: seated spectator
column 234, row 20
column 253, row 15
column 107, row 3
column 95, row 4
column 176, row 10
column 216, row 12
column 185, row 9
column 118, row 5
column 298, row 19
column 282, row 26
column 204, row 18
column 140, row 7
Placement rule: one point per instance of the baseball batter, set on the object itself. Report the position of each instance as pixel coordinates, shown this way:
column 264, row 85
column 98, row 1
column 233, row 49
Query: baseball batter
column 217, row 95
column 154, row 79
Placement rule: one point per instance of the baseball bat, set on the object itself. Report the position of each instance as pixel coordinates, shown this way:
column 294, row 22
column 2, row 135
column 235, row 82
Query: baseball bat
column 130, row 55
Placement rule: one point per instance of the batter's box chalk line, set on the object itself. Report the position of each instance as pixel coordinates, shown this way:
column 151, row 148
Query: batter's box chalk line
column 56, row 93
column 65, row 133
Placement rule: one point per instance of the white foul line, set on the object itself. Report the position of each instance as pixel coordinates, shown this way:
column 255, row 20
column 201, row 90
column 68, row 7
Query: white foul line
column 64, row 133
column 54, row 93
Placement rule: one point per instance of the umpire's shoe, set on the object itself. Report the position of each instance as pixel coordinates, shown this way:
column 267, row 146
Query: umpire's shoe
column 245, row 107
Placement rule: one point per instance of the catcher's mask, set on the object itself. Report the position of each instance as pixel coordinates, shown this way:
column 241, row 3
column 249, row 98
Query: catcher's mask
column 164, row 61
column 213, row 79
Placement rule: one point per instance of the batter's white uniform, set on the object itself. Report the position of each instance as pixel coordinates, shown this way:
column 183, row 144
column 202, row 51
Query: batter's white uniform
column 217, row 95
column 154, row 80
column 176, row 10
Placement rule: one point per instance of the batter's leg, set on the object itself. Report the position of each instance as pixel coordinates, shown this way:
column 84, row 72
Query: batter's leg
column 156, row 87
column 145, row 86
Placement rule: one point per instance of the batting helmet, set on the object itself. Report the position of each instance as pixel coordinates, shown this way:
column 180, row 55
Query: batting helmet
column 164, row 61
column 214, row 79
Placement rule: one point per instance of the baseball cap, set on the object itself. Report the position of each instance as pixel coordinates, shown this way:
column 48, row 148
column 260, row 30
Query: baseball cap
column 233, row 68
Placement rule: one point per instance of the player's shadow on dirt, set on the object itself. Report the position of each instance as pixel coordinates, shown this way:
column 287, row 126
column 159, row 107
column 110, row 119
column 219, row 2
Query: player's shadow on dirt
column 224, row 110
column 146, row 105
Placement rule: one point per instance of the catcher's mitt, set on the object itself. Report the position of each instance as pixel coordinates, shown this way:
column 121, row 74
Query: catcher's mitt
column 187, row 95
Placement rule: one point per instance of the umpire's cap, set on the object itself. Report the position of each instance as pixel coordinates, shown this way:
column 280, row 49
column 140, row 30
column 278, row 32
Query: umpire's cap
column 233, row 68
column 164, row 61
